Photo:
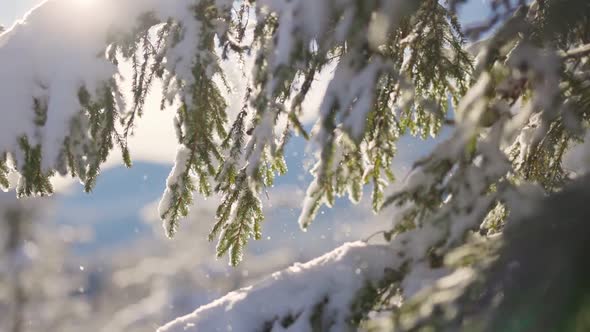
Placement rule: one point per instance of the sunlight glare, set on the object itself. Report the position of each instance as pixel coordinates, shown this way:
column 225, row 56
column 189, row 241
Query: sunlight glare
column 85, row 2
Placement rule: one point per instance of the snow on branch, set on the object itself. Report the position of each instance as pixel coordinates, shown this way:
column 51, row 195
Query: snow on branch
column 57, row 81
column 323, row 289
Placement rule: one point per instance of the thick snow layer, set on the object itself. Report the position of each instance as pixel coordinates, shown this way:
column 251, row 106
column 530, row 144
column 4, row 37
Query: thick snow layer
column 46, row 59
column 337, row 276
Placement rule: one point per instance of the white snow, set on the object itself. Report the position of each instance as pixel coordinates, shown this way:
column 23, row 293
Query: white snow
column 174, row 183
column 337, row 276
column 50, row 62
column 577, row 159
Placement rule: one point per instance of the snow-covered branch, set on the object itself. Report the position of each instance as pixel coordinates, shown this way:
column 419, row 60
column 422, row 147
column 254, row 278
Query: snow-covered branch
column 318, row 293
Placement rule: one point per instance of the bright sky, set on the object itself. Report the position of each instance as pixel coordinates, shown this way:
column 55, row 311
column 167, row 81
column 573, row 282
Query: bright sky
column 11, row 10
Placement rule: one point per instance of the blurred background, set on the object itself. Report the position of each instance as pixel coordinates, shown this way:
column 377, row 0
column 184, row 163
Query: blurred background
column 101, row 262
